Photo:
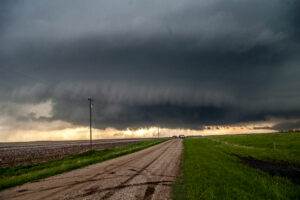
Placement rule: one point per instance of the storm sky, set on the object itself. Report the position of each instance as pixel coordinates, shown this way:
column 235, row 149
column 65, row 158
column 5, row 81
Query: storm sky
column 168, row 63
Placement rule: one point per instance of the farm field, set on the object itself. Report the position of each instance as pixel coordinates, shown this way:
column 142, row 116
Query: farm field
column 240, row 167
column 20, row 153
column 12, row 176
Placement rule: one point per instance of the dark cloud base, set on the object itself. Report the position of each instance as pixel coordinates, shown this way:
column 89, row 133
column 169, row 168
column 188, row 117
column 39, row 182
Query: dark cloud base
column 198, row 64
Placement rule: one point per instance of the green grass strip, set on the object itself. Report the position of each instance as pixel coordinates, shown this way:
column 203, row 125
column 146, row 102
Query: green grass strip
column 277, row 147
column 13, row 176
column 211, row 173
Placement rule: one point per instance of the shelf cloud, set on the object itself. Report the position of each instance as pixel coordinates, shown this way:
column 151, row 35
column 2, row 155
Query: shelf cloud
column 174, row 64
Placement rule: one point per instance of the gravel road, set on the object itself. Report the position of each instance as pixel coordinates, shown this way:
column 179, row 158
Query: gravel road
column 147, row 174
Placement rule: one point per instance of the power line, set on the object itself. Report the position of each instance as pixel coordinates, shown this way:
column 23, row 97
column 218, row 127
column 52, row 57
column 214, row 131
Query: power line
column 91, row 105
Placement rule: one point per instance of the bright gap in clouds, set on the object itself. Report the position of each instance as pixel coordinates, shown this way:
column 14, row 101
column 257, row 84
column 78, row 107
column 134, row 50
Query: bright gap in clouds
column 39, row 126
column 82, row 133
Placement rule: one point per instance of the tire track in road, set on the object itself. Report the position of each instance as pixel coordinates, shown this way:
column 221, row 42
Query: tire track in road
column 96, row 189
column 143, row 175
column 76, row 184
column 150, row 191
column 109, row 194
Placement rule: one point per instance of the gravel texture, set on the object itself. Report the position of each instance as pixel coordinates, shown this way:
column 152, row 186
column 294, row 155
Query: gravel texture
column 147, row 174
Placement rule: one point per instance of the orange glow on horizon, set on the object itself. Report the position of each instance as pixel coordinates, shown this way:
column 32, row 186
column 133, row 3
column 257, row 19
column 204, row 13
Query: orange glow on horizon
column 82, row 133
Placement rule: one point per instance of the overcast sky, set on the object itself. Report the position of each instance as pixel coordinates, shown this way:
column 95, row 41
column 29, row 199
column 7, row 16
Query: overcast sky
column 168, row 63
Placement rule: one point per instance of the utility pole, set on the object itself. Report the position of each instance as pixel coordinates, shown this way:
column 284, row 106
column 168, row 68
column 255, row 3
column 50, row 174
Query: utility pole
column 158, row 132
column 91, row 105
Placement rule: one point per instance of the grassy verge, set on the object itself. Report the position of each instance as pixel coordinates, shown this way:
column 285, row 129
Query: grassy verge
column 283, row 147
column 12, row 176
column 209, row 172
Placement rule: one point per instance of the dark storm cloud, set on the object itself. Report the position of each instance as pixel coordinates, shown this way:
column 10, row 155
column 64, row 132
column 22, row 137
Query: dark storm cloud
column 174, row 63
column 4, row 13
column 287, row 125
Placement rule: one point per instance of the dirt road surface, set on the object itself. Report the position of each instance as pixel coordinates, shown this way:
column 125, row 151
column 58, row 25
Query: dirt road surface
column 147, row 174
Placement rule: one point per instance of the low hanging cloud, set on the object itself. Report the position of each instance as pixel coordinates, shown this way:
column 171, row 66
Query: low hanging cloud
column 175, row 64
column 287, row 125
